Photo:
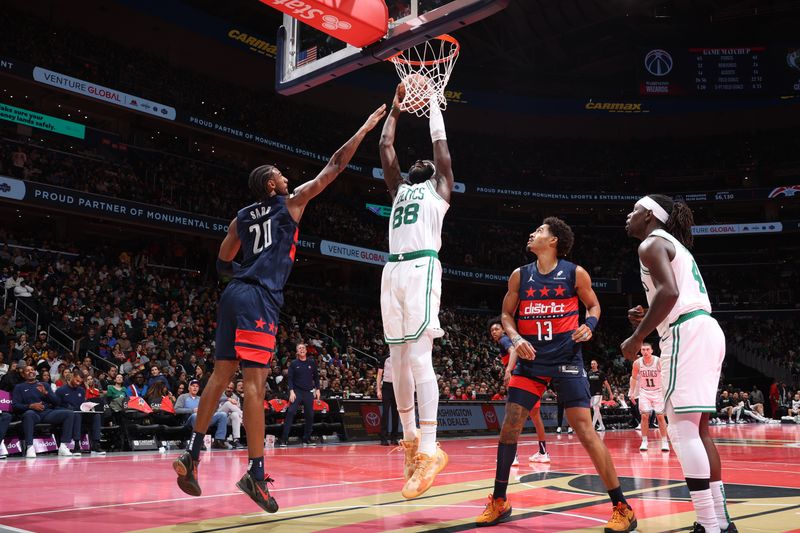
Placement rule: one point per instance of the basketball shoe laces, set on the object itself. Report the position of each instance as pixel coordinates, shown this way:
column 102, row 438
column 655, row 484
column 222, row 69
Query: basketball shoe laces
column 267, row 480
column 408, row 449
column 618, row 517
column 493, row 508
column 423, row 463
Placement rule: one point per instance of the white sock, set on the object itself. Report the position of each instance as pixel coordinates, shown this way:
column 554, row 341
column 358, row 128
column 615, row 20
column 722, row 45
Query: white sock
column 720, row 504
column 703, row 503
column 419, row 354
column 428, row 405
column 409, row 422
column 403, row 386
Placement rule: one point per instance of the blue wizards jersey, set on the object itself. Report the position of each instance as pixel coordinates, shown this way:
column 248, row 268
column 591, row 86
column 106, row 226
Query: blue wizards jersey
column 546, row 317
column 268, row 236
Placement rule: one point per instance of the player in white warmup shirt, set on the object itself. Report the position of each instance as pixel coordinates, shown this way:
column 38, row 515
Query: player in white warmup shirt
column 692, row 347
column 411, row 287
column 645, row 387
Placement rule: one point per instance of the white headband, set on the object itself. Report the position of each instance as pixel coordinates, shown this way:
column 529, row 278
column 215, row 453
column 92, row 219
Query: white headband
column 652, row 205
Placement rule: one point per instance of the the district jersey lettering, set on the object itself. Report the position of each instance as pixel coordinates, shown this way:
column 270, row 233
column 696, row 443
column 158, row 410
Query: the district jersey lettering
column 546, row 317
column 268, row 234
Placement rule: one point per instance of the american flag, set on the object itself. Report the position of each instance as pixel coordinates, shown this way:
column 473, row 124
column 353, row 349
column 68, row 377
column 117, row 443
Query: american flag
column 307, row 56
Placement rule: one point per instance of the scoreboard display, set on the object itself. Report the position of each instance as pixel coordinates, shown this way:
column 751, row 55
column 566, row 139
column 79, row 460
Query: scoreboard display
column 720, row 71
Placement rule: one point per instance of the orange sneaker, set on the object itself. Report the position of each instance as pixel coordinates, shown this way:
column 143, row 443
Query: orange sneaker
column 622, row 519
column 497, row 510
column 427, row 467
column 410, row 449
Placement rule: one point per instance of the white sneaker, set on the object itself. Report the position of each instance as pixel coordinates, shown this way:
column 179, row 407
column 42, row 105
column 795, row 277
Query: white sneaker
column 601, row 428
column 31, row 453
column 643, row 446
column 569, row 430
column 63, row 451
column 639, row 426
column 539, row 458
column 516, row 461
column 664, row 445
column 3, row 450
column 558, row 429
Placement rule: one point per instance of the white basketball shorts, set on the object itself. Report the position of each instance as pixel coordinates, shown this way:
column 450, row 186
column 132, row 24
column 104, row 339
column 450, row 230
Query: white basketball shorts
column 691, row 362
column 649, row 404
column 411, row 291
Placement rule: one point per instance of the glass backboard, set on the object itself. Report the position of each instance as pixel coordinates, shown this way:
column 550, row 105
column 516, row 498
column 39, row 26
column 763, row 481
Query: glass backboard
column 308, row 57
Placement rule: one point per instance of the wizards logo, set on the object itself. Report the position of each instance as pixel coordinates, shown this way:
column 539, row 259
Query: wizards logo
column 789, row 191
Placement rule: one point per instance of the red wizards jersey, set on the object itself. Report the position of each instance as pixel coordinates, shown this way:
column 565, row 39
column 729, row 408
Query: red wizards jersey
column 546, row 317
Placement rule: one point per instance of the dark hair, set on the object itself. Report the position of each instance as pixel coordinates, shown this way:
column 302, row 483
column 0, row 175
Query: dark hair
column 561, row 230
column 647, row 343
column 258, row 180
column 680, row 221
column 494, row 320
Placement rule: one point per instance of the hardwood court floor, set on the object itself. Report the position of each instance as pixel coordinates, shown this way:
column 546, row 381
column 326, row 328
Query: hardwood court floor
column 355, row 488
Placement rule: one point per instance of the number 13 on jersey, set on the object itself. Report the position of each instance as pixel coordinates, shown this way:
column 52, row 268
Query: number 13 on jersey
column 544, row 328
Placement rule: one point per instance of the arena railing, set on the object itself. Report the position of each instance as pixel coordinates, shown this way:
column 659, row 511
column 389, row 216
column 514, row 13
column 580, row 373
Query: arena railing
column 33, row 319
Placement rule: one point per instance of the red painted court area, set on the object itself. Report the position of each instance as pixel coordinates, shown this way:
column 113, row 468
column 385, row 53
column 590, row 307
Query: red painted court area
column 356, row 488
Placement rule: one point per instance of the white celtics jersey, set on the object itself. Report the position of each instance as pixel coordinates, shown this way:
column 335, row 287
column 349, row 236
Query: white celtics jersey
column 692, row 290
column 649, row 377
column 416, row 220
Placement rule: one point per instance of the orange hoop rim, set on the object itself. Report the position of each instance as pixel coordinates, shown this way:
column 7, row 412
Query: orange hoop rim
column 397, row 58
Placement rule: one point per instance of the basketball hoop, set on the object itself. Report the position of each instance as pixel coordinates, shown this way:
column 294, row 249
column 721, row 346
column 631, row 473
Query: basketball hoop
column 425, row 70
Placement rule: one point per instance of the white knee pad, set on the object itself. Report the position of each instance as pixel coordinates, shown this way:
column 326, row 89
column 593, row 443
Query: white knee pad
column 420, row 357
column 403, row 378
column 684, row 432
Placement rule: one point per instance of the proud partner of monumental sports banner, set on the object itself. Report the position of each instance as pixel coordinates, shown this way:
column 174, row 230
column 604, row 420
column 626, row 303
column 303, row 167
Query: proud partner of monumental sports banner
column 90, row 204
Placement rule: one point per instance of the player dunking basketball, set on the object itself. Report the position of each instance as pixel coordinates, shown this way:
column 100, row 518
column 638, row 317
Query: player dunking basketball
column 645, row 387
column 411, row 287
column 508, row 357
column 692, row 347
column 247, row 316
column 540, row 315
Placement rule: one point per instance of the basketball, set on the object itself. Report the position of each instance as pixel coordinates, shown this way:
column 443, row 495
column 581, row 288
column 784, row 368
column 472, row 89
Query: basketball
column 417, row 92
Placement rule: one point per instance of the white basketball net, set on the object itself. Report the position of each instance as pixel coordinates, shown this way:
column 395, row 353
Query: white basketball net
column 434, row 61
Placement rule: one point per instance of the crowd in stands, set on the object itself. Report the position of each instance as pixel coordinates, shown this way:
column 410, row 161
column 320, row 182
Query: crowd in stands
column 146, row 332
column 141, row 322
column 480, row 243
column 159, row 324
